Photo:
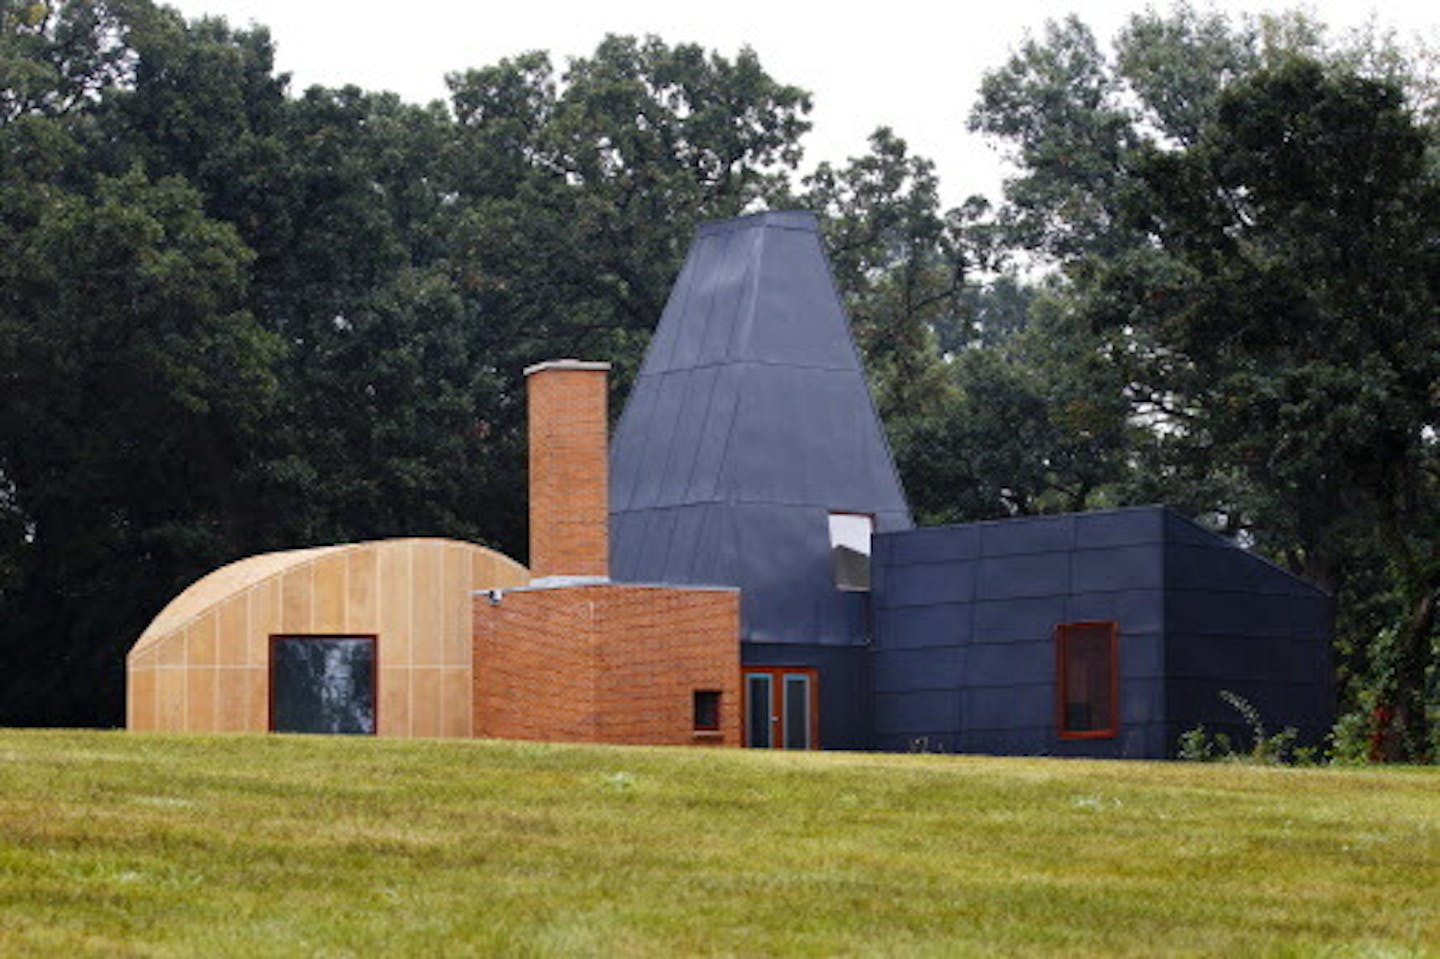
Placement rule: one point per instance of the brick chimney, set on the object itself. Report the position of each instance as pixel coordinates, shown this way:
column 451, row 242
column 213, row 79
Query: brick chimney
column 569, row 485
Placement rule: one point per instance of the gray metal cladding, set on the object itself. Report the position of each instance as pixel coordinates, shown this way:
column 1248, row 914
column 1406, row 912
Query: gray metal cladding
column 749, row 422
column 1239, row 624
column 964, row 652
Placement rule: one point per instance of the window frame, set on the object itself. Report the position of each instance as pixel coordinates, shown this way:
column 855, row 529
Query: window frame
column 776, row 717
column 696, row 727
column 1112, row 728
column 276, row 638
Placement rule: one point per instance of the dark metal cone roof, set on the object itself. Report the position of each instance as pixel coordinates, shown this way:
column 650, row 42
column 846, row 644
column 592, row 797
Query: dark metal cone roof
column 750, row 422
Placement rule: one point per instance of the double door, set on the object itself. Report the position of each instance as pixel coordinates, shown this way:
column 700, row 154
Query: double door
column 781, row 707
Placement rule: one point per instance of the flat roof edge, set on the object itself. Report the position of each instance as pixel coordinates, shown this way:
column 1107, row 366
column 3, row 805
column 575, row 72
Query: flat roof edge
column 540, row 587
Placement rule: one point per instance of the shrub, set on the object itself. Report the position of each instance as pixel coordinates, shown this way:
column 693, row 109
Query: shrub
column 1199, row 745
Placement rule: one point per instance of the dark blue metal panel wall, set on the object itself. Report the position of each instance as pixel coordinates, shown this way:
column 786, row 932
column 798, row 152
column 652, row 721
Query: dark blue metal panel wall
column 1235, row 622
column 964, row 652
column 843, row 683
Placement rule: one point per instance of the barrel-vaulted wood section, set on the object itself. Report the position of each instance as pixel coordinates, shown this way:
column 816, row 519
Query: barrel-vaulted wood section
column 204, row 663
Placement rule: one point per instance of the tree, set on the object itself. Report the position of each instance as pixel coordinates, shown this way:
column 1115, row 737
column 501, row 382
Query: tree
column 575, row 197
column 57, row 58
column 1248, row 223
column 132, row 374
column 1300, row 294
column 582, row 192
column 1038, row 422
column 316, row 308
column 1059, row 104
column 900, row 266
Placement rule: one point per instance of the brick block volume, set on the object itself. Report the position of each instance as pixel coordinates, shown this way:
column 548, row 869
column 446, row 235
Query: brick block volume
column 607, row 663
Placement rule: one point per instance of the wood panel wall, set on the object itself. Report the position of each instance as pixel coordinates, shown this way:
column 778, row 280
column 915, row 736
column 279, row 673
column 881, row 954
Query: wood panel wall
column 210, row 671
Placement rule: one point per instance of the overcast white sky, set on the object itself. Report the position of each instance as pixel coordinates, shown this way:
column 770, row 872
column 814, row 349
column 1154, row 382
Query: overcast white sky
column 914, row 66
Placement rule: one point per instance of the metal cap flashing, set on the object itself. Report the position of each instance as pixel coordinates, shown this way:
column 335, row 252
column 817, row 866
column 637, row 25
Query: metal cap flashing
column 568, row 364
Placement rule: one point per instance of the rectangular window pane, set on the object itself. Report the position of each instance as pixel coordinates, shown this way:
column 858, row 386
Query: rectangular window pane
column 757, row 707
column 1088, row 676
column 797, row 712
column 850, row 545
column 707, row 709
column 322, row 685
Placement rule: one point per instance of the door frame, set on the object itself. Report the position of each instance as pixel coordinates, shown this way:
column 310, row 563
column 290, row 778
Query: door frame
column 777, row 676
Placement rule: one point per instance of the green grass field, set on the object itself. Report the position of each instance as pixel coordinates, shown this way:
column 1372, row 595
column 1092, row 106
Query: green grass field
column 120, row 844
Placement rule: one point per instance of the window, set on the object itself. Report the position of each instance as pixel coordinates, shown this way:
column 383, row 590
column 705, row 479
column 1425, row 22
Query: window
column 707, row 710
column 850, row 543
column 322, row 684
column 1088, row 680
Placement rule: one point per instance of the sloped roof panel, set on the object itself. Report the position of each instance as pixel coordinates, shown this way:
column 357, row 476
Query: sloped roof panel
column 752, row 417
column 803, row 323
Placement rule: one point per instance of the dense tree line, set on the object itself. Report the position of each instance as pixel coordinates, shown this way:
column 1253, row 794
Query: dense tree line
column 238, row 318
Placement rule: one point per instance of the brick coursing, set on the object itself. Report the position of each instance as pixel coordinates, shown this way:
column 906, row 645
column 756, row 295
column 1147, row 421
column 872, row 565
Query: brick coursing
column 569, row 485
column 606, row 663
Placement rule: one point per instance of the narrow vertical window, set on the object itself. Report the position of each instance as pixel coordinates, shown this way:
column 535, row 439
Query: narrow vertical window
column 797, row 711
column 1088, row 680
column 707, row 710
column 757, row 711
column 850, row 543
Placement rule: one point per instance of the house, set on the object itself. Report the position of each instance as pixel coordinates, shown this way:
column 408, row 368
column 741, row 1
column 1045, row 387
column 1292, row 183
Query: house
column 741, row 567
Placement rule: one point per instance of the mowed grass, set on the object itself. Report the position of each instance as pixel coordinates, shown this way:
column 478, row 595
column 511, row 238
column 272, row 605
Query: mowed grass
column 124, row 844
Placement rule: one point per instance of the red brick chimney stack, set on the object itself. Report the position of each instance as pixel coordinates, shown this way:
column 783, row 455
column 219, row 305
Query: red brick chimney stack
column 569, row 475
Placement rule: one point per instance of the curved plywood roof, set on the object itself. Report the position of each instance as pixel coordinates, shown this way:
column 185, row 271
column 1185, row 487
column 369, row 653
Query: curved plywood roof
column 227, row 581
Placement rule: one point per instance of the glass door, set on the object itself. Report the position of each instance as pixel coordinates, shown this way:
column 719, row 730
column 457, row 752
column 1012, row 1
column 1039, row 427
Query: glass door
column 759, row 725
column 781, row 708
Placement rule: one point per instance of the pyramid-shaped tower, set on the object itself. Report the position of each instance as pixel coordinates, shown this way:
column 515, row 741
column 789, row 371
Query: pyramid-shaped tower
column 749, row 425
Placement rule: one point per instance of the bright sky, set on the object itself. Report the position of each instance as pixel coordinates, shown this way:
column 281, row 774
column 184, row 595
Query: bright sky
column 911, row 65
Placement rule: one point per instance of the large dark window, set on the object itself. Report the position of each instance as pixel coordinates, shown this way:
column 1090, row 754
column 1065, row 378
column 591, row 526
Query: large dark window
column 1088, row 680
column 322, row 684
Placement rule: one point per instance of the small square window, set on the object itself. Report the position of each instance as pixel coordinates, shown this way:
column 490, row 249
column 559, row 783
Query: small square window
column 850, row 543
column 707, row 710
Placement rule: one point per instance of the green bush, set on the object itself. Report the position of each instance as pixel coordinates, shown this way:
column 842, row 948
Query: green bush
column 1199, row 745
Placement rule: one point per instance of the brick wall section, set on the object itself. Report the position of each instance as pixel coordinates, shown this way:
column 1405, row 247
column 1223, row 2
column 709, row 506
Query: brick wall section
column 569, row 486
column 535, row 666
column 657, row 646
column 606, row 663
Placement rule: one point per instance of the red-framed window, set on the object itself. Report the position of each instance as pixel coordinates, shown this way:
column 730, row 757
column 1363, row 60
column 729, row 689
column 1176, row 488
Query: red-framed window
column 782, row 707
column 1087, row 680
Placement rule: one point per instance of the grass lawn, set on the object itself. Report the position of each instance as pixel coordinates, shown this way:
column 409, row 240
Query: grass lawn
column 120, row 844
